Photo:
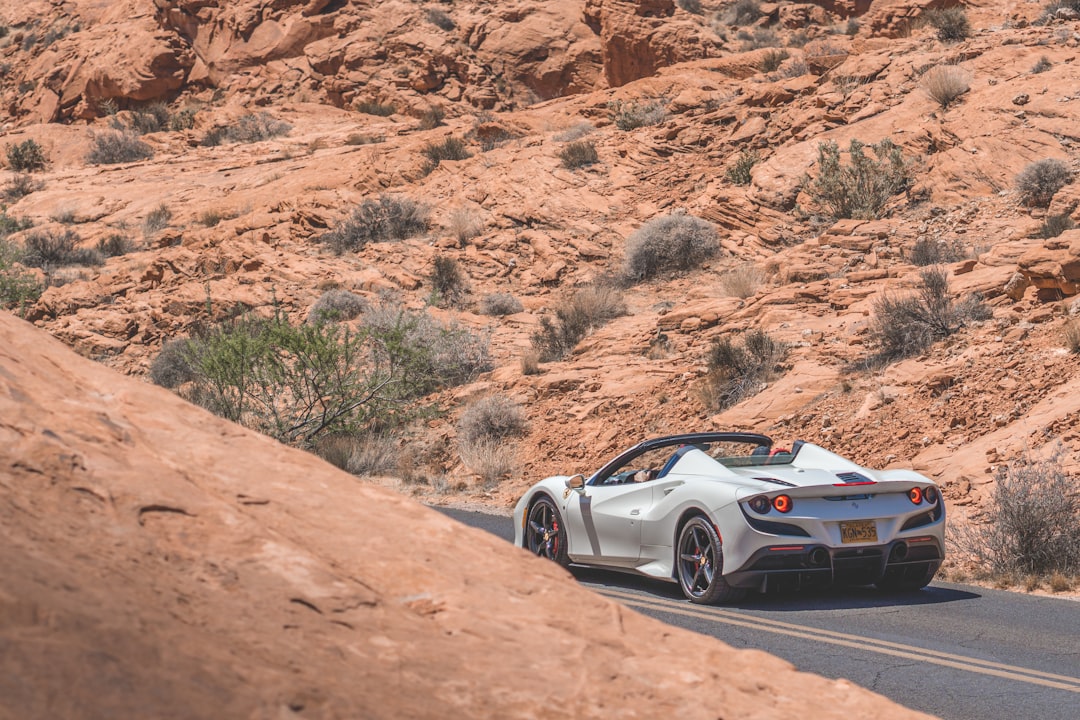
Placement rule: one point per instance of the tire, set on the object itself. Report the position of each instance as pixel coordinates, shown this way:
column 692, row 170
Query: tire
column 699, row 564
column 907, row 579
column 544, row 531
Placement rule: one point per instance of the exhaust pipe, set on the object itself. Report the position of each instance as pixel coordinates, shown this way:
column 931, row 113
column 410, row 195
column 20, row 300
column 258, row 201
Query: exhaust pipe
column 819, row 557
column 898, row 553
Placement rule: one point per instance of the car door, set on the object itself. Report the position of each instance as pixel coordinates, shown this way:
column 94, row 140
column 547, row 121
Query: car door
column 604, row 522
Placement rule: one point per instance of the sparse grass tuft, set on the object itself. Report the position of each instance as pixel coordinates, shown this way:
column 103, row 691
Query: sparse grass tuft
column 491, row 460
column 495, row 417
column 362, row 139
column 115, row 146
column 580, row 153
column 156, row 220
column 1071, row 334
column 530, row 361
column 576, row 132
column 465, row 225
column 945, row 83
column 1039, row 181
column 743, row 12
column 1041, row 65
column 738, row 371
column 388, row 218
column 672, row 243
column 115, row 245
column 742, row 281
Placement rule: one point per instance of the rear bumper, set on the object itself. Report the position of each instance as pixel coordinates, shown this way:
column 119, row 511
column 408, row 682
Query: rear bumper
column 817, row 565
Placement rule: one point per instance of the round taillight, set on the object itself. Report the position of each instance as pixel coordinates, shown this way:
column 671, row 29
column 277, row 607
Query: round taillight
column 930, row 494
column 915, row 495
column 782, row 503
column 759, row 504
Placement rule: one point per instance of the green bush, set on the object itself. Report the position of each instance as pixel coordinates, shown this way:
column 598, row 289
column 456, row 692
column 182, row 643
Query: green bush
column 739, row 172
column 1039, row 181
column 27, row 156
column 18, row 288
column 862, row 188
column 114, row 146
column 388, row 218
column 580, row 153
column 250, row 128
column 576, row 315
column 904, row 326
column 671, row 243
column 738, row 371
column 951, row 23
column 49, row 249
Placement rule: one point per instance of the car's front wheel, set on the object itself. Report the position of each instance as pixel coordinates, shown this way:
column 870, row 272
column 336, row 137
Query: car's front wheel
column 544, row 531
column 700, row 564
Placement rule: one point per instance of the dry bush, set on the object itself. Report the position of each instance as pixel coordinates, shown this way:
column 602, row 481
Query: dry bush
column 672, row 243
column 1072, row 336
column 945, row 83
column 739, row 371
column 495, row 417
column 362, row 139
column 440, row 19
column 743, row 12
column 465, row 225
column 449, row 284
column 690, row 6
column 27, row 156
column 772, row 60
column 150, row 119
column 860, row 189
column 1049, row 11
column 21, row 185
column 372, row 107
column 629, row 116
column 1054, row 225
column 451, row 148
column 577, row 314
column 49, row 249
column 388, row 218
column 739, row 172
column 491, row 460
column 530, row 362
column 500, row 304
column 931, row 251
column 951, row 23
column 115, row 245
column 1039, row 181
column 576, row 132
column 336, row 305
column 114, row 146
column 156, row 220
column 364, row 455
column 760, row 38
column 1041, row 65
column 1032, row 524
column 579, row 153
column 250, row 128
column 742, row 281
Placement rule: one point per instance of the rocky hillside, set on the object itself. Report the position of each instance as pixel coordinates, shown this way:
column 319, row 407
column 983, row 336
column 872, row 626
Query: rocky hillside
column 715, row 110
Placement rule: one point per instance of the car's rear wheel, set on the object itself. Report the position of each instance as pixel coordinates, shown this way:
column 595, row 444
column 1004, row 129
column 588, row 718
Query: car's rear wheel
column 699, row 564
column 544, row 531
column 907, row 578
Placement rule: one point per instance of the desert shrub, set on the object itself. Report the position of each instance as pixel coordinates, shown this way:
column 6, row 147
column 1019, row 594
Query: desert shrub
column 298, row 383
column 861, row 188
column 250, row 128
column 495, row 417
column 671, row 243
column 759, row 38
column 184, row 119
column 449, row 283
column 931, row 251
column 336, row 305
column 1072, row 336
column 49, row 249
column 21, row 185
column 738, row 371
column 690, row 6
column 904, row 326
column 794, row 69
column 576, row 132
column 27, row 156
column 115, row 245
column 1050, row 10
column 1041, row 65
column 576, row 315
column 951, row 23
column 628, row 116
column 150, row 119
column 440, row 19
column 115, row 146
column 492, row 461
column 1032, row 523
column 465, row 225
column 530, row 361
column 388, row 218
column 156, row 220
column 743, row 12
column 18, row 288
column 739, row 172
column 10, row 224
column 451, row 148
column 371, row 107
column 851, row 29
column 742, row 281
column 500, row 304
column 364, row 454
column 772, row 60
column 1054, row 225
column 945, row 83
column 362, row 139
column 1039, row 181
column 578, row 154
column 432, row 118
column 64, row 217
column 171, row 367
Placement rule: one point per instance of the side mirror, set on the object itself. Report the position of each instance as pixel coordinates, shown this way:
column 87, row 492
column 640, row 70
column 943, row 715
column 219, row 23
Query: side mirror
column 575, row 482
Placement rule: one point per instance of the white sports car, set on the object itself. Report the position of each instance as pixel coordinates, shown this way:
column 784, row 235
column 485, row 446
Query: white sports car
column 723, row 512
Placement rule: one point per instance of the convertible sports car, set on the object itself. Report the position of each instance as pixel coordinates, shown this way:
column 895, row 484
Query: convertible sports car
column 722, row 513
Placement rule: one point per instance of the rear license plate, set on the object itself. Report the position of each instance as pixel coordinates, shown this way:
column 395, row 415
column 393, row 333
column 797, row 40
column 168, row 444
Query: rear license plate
column 858, row 531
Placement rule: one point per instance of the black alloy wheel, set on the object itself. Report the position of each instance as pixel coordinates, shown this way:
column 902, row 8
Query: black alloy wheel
column 700, row 564
column 544, row 532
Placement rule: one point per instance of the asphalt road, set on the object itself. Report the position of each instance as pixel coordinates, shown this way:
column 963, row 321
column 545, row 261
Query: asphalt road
column 956, row 651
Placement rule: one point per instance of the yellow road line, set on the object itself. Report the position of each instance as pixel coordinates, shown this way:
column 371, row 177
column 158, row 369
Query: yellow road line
column 884, row 647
